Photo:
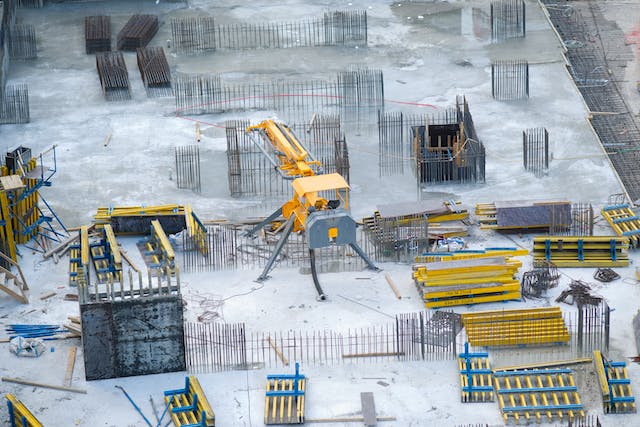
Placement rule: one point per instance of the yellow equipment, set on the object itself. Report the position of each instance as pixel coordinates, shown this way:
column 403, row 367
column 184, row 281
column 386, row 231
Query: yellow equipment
column 319, row 204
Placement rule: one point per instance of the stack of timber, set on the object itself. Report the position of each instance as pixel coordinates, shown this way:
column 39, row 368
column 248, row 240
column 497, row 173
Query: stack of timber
column 189, row 406
column 582, row 251
column 20, row 415
column 535, row 393
column 471, row 281
column 284, row 398
column 624, row 222
column 74, row 325
column 137, row 32
column 475, row 376
column 97, row 34
column 470, row 254
column 615, row 385
column 515, row 327
column 524, row 215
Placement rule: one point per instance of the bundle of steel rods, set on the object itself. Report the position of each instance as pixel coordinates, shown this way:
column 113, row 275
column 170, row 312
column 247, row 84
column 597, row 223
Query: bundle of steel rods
column 535, row 150
column 510, row 80
column 507, row 19
column 97, row 34
column 137, row 32
column 114, row 77
column 154, row 71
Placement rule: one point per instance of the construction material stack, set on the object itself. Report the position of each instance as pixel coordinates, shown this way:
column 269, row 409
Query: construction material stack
column 189, row 407
column 624, row 222
column 137, row 32
column 524, row 215
column 468, row 281
column 582, row 251
column 615, row 385
column 516, row 327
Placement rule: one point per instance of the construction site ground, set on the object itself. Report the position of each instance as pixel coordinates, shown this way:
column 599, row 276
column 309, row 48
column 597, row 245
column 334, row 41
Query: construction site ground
column 429, row 52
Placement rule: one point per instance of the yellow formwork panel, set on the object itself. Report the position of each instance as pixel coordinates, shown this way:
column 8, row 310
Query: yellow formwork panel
column 507, row 253
column 509, row 296
column 19, row 411
column 444, row 293
column 477, row 380
column 510, row 314
column 284, row 409
column 624, row 220
column 181, row 418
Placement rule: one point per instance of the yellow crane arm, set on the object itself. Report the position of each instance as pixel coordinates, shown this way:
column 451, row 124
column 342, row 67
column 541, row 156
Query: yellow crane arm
column 293, row 156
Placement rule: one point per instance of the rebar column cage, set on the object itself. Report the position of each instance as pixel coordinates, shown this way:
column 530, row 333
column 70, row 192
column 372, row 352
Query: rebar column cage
column 22, row 42
column 397, row 239
column 535, row 150
column 447, row 148
column 578, row 221
column 14, row 104
column 507, row 19
column 188, row 167
column 510, row 80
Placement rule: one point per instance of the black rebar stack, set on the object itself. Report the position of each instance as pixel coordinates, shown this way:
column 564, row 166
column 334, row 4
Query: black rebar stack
column 31, row 4
column 97, row 33
column 113, row 74
column 22, row 42
column 14, row 104
column 154, row 70
column 507, row 19
column 510, row 80
column 137, row 32
column 535, row 150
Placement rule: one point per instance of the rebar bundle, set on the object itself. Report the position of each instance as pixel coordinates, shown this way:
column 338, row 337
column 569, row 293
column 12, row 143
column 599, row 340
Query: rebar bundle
column 137, row 32
column 22, row 42
column 200, row 34
column 535, row 150
column 510, row 80
column 537, row 282
column 507, row 19
column 579, row 293
column 193, row 34
column 154, row 70
column 97, row 33
column 14, row 104
column 113, row 74
column 188, row 167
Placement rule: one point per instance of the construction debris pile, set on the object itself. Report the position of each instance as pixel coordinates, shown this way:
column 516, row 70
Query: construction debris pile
column 578, row 293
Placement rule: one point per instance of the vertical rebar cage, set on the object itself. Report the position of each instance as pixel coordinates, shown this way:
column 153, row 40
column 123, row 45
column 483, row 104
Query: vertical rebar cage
column 510, row 80
column 507, row 19
column 188, row 167
column 535, row 151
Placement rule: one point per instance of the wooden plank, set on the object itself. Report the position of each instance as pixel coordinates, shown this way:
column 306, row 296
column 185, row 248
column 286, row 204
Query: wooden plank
column 71, row 363
column 47, row 295
column 368, row 409
column 392, row 285
column 37, row 384
column 278, row 352
column 129, row 261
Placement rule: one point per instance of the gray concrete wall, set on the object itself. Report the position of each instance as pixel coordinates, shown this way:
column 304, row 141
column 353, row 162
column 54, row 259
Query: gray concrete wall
column 133, row 337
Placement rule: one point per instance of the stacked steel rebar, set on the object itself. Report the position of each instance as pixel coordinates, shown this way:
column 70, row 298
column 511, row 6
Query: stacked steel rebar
column 31, row 4
column 535, row 150
column 22, row 42
column 154, row 70
column 113, row 74
column 510, row 80
column 97, row 33
column 137, row 32
column 14, row 104
column 507, row 19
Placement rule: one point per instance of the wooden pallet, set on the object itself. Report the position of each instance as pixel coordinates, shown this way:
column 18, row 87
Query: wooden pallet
column 284, row 399
column 475, row 376
column 538, row 393
column 615, row 385
column 516, row 327
column 189, row 406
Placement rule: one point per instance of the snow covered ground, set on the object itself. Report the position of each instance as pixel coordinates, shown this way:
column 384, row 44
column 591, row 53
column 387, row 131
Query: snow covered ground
column 419, row 47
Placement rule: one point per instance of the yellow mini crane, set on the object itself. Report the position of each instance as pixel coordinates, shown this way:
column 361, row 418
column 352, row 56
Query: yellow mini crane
column 320, row 201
